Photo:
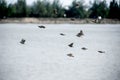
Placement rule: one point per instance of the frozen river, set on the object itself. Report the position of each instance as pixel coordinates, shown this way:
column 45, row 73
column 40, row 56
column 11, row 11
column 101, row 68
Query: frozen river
column 44, row 54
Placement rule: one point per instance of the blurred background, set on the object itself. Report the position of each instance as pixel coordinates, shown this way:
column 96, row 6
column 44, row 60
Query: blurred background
column 60, row 8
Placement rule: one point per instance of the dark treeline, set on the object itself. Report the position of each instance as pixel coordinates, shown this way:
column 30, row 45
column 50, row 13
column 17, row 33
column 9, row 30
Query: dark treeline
column 44, row 8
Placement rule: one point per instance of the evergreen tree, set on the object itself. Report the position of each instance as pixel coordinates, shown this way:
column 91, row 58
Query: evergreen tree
column 12, row 12
column 3, row 9
column 98, row 9
column 21, row 8
column 46, row 9
column 114, row 9
column 119, row 11
column 38, row 9
column 58, row 11
column 77, row 9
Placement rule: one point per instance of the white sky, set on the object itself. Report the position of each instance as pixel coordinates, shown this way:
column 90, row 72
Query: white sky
column 64, row 2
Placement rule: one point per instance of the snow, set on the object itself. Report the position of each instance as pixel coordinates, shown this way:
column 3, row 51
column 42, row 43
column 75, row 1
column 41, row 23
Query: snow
column 44, row 54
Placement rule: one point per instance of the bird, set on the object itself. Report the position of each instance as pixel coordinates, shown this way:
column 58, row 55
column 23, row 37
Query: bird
column 42, row 26
column 70, row 45
column 101, row 51
column 62, row 34
column 80, row 34
column 70, row 55
column 22, row 41
column 83, row 48
column 72, row 19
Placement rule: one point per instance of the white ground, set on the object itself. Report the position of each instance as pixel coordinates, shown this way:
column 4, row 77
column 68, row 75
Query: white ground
column 44, row 55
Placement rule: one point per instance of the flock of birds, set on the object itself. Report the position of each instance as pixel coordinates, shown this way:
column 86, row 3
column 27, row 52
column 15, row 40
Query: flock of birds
column 70, row 45
column 83, row 48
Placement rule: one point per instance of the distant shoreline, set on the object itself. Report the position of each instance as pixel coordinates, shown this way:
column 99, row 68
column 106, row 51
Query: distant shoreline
column 58, row 21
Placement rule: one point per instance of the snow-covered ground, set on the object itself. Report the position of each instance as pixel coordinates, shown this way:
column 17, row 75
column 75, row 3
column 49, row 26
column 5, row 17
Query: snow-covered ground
column 44, row 54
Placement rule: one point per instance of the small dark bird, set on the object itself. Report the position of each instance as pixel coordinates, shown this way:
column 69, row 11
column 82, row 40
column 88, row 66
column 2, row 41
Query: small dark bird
column 70, row 55
column 42, row 27
column 70, row 45
column 62, row 34
column 80, row 34
column 101, row 51
column 72, row 19
column 22, row 41
column 83, row 48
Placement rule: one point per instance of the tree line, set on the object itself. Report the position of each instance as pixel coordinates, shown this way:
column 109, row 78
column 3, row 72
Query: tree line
column 44, row 8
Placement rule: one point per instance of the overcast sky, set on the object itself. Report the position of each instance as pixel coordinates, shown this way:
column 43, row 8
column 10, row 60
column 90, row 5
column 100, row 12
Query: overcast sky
column 64, row 2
